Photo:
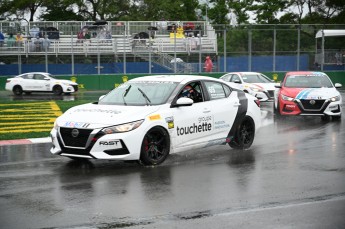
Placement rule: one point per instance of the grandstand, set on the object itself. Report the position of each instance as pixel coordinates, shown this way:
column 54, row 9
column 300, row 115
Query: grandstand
column 160, row 44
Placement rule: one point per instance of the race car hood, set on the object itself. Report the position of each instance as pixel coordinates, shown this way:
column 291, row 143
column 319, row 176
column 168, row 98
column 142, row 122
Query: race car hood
column 265, row 86
column 310, row 93
column 98, row 116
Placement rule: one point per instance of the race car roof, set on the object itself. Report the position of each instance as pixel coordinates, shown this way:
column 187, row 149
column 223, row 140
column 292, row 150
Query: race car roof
column 303, row 73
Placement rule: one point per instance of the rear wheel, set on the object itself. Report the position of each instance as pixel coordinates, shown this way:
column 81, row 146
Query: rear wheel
column 17, row 90
column 244, row 135
column 57, row 90
column 155, row 146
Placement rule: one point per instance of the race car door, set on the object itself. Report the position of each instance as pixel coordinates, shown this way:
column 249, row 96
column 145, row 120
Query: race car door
column 192, row 124
column 35, row 82
column 224, row 105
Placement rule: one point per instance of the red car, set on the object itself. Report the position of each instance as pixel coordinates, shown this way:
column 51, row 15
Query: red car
column 308, row 93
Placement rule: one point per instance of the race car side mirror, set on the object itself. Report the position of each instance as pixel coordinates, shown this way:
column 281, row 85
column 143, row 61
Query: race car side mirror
column 277, row 85
column 337, row 85
column 237, row 81
column 183, row 102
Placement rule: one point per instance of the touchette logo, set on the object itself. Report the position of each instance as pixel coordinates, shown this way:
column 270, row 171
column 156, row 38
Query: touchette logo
column 204, row 124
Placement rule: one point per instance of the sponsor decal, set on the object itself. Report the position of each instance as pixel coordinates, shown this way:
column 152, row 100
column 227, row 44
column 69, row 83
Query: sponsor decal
column 170, row 121
column 220, row 125
column 304, row 93
column 99, row 111
column 204, row 124
column 155, row 117
column 307, row 94
column 76, row 124
column 109, row 143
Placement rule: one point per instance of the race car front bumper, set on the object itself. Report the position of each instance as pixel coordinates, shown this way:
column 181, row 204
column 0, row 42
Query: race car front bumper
column 311, row 107
column 93, row 144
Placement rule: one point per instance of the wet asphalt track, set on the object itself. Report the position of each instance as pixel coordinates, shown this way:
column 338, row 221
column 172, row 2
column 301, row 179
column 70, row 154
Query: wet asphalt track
column 292, row 177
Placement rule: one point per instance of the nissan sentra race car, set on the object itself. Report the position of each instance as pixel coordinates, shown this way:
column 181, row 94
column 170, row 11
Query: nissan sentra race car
column 254, row 83
column 39, row 82
column 308, row 93
column 149, row 117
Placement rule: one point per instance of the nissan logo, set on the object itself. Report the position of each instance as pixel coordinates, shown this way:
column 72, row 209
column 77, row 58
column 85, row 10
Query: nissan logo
column 312, row 102
column 75, row 133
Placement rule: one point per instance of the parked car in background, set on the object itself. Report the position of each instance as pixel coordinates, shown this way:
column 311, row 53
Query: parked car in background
column 254, row 83
column 39, row 82
column 308, row 93
column 147, row 118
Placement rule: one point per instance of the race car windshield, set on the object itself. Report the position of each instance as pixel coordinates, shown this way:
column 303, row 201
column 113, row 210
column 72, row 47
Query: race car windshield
column 156, row 93
column 255, row 79
column 308, row 81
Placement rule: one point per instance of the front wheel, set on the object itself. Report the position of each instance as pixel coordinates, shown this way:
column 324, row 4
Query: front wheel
column 244, row 135
column 155, row 146
column 57, row 90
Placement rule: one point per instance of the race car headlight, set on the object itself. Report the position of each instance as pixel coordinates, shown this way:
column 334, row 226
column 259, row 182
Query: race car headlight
column 123, row 127
column 253, row 88
column 287, row 98
column 256, row 89
column 335, row 98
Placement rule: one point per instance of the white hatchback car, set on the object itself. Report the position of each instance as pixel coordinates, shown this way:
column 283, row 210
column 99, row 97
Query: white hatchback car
column 254, row 83
column 39, row 82
column 149, row 117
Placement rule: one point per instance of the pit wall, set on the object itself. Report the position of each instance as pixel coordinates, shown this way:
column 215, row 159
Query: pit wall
column 108, row 82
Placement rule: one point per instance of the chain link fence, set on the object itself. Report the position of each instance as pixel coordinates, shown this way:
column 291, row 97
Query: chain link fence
column 160, row 47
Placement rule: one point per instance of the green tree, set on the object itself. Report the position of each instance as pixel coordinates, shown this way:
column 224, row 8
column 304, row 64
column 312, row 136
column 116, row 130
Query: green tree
column 20, row 7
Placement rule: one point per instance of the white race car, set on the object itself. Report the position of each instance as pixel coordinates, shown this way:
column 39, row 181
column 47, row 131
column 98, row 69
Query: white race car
column 149, row 117
column 39, row 82
column 254, row 83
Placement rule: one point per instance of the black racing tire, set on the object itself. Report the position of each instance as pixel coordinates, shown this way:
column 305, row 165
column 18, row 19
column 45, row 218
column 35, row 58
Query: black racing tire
column 325, row 118
column 244, row 134
column 276, row 110
column 155, row 147
column 17, row 90
column 336, row 118
column 57, row 90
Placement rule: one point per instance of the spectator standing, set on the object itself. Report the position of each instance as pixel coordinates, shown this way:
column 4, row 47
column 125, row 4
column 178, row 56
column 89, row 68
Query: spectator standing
column 19, row 40
column 338, row 57
column 34, row 31
column 11, row 41
column 45, row 43
column 208, row 65
column 2, row 39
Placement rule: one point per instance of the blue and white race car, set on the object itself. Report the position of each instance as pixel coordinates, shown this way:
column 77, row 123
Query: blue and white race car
column 147, row 118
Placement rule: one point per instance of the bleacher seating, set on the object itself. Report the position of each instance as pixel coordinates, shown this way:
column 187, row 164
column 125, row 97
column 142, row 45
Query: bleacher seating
column 120, row 43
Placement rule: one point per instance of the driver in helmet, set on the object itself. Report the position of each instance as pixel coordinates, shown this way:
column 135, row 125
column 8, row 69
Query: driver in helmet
column 187, row 92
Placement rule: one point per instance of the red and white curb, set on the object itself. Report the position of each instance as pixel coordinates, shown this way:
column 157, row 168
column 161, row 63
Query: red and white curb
column 25, row 141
